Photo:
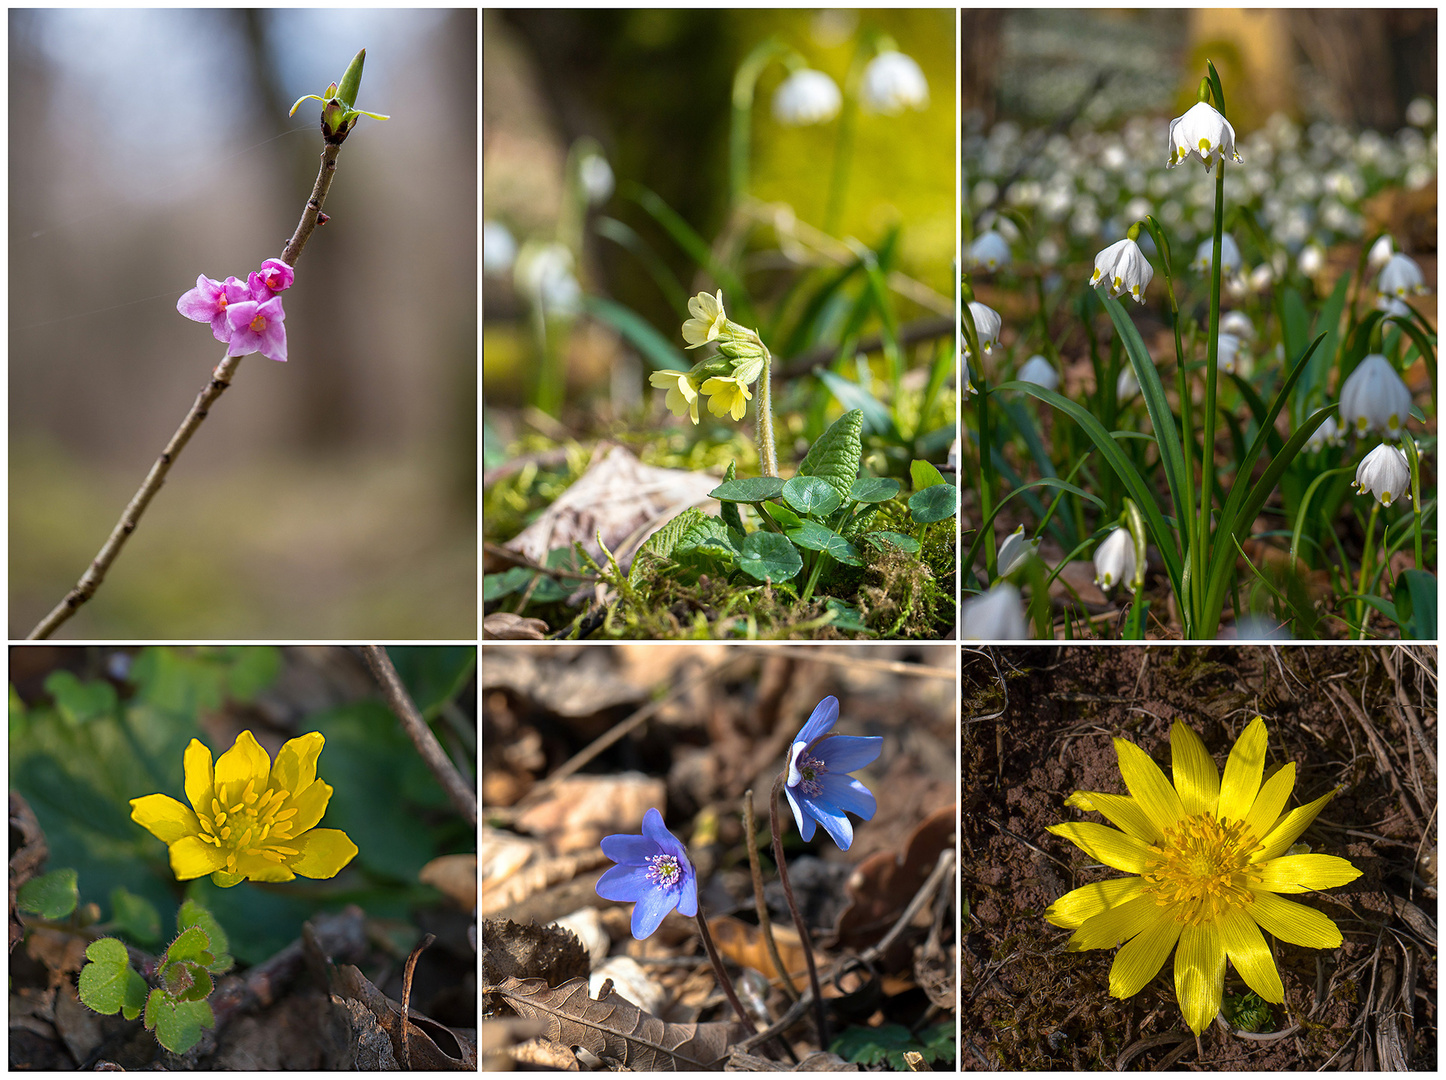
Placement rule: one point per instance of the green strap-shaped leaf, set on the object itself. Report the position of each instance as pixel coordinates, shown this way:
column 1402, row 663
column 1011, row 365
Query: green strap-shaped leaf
column 729, row 511
column 835, row 457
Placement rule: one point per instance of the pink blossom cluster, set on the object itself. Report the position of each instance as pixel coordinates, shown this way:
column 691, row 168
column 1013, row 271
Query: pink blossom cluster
column 247, row 316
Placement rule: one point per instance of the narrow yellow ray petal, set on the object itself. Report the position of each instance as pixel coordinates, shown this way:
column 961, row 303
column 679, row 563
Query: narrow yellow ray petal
column 1289, row 828
column 1295, row 923
column 1196, row 778
column 1140, row 959
column 1073, row 908
column 1304, row 873
column 1270, row 802
column 1109, row 846
column 1199, row 975
column 1148, row 786
column 1245, row 945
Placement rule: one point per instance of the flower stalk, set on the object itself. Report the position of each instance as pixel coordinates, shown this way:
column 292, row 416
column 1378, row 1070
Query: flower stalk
column 721, row 974
column 819, row 1013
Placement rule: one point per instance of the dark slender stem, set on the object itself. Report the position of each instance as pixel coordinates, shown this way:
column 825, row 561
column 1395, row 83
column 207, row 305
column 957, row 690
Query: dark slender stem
column 750, row 830
column 819, row 1012
column 724, row 982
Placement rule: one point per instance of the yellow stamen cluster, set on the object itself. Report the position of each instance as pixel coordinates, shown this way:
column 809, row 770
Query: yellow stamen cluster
column 254, row 825
column 1202, row 869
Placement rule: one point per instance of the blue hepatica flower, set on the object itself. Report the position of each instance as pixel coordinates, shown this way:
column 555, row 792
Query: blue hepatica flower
column 652, row 872
column 819, row 788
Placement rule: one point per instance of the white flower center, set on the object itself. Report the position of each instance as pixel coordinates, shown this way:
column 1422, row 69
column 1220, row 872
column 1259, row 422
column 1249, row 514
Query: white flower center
column 664, row 870
column 810, row 776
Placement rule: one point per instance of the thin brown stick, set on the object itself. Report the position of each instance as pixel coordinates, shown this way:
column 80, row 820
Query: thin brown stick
column 820, row 1011
column 221, row 378
column 400, row 702
column 407, row 998
column 760, row 905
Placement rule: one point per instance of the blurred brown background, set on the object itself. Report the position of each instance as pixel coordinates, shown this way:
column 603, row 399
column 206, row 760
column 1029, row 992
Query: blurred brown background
column 331, row 496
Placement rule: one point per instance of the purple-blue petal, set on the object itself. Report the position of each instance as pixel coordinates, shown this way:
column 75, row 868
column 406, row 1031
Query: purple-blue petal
column 845, row 753
column 825, row 715
column 801, row 819
column 834, row 821
column 846, row 793
column 628, row 848
column 652, row 907
column 626, row 884
column 653, row 827
column 688, row 894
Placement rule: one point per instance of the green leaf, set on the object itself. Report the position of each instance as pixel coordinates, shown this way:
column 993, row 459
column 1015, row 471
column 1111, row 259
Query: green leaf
column 186, row 981
column 177, row 1024
column 751, row 489
column 1415, row 596
column 812, row 495
column 192, row 943
column 251, row 669
column 51, row 896
column 136, row 916
column 512, row 580
column 659, row 547
column 874, row 489
column 80, row 702
column 768, row 556
column 729, row 511
column 818, row 537
column 846, row 617
column 835, row 456
column 108, row 984
column 657, row 350
column 435, row 674
column 883, row 1045
column 923, row 474
column 784, row 517
column 193, row 914
column 853, row 396
column 933, row 503
column 898, row 540
column 710, row 536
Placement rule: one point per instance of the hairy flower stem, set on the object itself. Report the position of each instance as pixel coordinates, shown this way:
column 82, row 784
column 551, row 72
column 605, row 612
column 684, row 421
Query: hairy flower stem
column 1212, row 378
column 767, row 455
column 819, row 1012
column 760, row 905
column 724, row 982
column 221, row 378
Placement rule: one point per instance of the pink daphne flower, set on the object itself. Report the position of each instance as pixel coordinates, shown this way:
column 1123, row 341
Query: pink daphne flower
column 208, row 302
column 257, row 326
column 273, row 277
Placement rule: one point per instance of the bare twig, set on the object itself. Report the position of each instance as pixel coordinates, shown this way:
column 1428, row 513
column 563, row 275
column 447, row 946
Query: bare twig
column 400, row 702
column 750, row 831
column 221, row 378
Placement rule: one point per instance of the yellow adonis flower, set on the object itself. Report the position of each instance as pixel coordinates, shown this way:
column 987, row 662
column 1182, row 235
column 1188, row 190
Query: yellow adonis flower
column 682, row 399
column 249, row 818
column 1209, row 855
column 727, row 395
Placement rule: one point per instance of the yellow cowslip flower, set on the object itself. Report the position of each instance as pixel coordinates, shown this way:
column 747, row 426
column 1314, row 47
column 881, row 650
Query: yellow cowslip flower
column 1210, row 855
column 682, row 399
column 727, row 396
column 249, row 818
column 708, row 321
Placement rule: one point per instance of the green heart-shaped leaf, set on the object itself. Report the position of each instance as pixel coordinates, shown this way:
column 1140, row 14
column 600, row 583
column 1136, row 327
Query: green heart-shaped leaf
column 769, row 556
column 811, row 495
column 934, row 503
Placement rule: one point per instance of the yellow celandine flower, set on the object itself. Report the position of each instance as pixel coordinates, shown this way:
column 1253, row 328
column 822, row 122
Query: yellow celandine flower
column 727, row 396
column 682, row 399
column 708, row 321
column 249, row 818
column 1209, row 855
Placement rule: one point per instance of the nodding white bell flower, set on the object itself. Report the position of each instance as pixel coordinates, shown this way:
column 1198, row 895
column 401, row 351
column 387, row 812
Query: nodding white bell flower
column 597, row 178
column 1225, row 355
column 892, row 83
column 1375, row 398
column 1328, row 434
column 806, row 97
column 1239, row 324
column 1014, row 551
column 1115, row 560
column 987, row 324
column 1126, row 386
column 1393, row 307
column 996, row 615
column 1380, row 253
column 499, row 249
column 1123, row 267
column 1312, row 260
column 1229, row 255
column 1039, row 371
column 1384, row 473
column 1201, row 133
column 1401, row 277
column 1261, row 277
column 990, row 250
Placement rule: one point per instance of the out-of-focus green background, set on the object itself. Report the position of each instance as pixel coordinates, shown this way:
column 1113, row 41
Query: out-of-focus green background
column 333, row 496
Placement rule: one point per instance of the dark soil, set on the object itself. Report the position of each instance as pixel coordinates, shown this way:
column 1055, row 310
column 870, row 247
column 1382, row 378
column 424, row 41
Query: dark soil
column 1037, row 725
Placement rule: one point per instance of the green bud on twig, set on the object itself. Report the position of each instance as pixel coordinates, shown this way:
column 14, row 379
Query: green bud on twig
column 338, row 114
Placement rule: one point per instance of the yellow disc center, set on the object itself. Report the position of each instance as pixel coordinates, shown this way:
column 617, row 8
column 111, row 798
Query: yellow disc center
column 1202, row 868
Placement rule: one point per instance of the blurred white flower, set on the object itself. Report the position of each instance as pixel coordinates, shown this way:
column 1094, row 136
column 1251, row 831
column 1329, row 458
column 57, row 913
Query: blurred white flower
column 1380, row 253
column 1229, row 255
column 1375, row 398
column 1115, row 559
column 806, row 97
column 990, row 250
column 544, row 274
column 1420, row 112
column 1202, row 133
column 984, row 194
column 1254, row 627
column 892, row 83
column 1048, row 251
column 1393, row 307
column 1328, row 434
column 1312, row 260
column 1225, row 355
column 597, row 178
column 987, row 325
column 968, row 386
column 1126, row 386
column 997, row 615
column 1124, row 267
column 1261, row 277
column 499, row 250
column 1401, row 278
column 1239, row 324
column 1014, row 551
column 1384, row 473
column 1039, row 371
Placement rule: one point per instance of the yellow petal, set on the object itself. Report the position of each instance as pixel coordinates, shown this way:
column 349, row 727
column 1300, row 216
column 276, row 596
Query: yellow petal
column 1148, row 786
column 164, row 818
column 1109, row 846
column 1140, row 959
column 323, row 853
column 1295, row 923
column 295, row 765
column 1125, row 813
column 222, row 880
column 1245, row 945
column 1305, row 873
column 1196, row 778
column 257, row 867
column 245, row 761
column 1114, row 926
column 199, row 786
column 190, row 858
column 1289, row 828
column 1243, row 769
column 310, row 805
column 1271, row 801
column 1199, row 975
column 1073, row 908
